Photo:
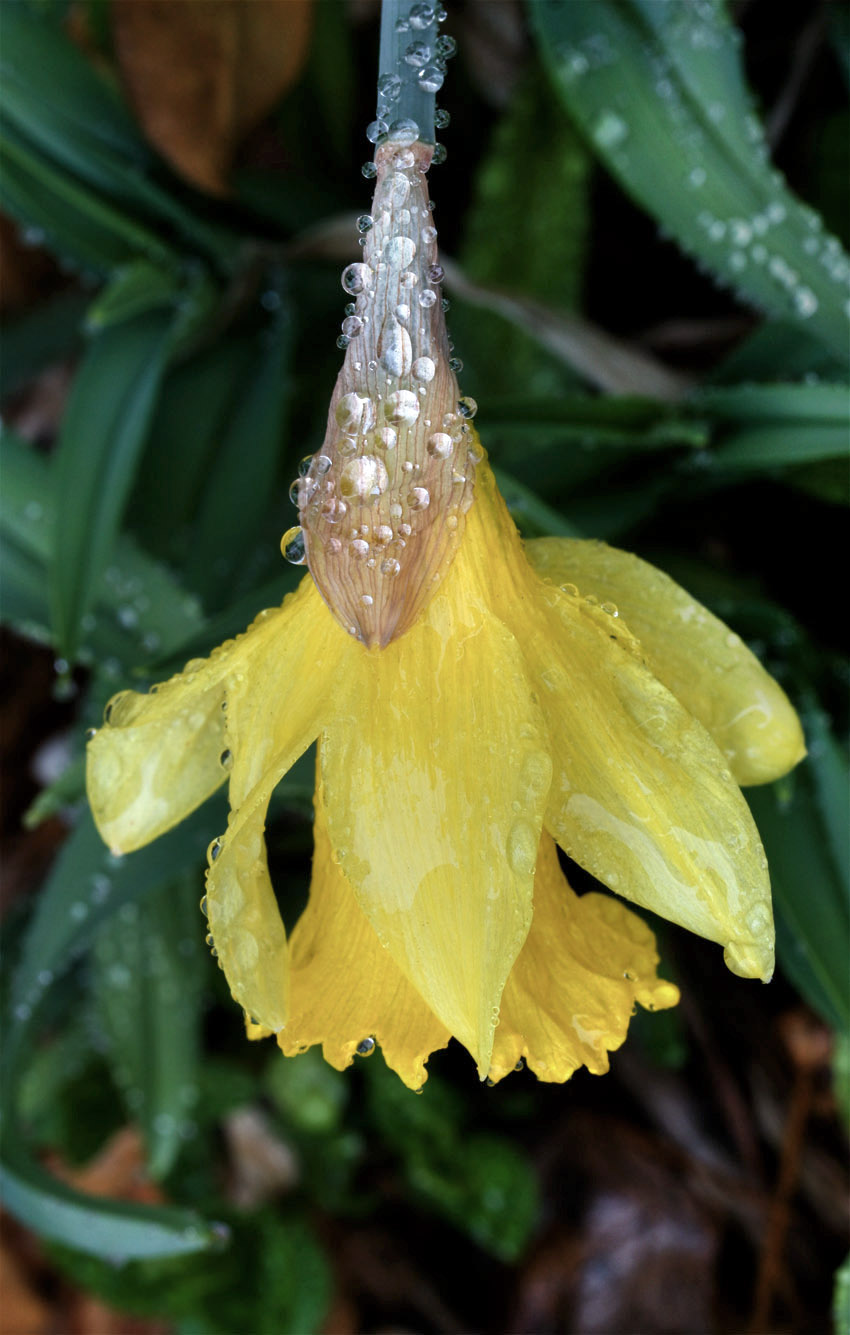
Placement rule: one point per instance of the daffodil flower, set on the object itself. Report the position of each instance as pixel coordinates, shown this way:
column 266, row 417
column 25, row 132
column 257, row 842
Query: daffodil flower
column 475, row 701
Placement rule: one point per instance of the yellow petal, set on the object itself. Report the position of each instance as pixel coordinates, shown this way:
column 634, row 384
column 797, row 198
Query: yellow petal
column 158, row 756
column 274, row 711
column 573, row 989
column 707, row 667
column 641, row 796
column 436, row 777
column 346, row 990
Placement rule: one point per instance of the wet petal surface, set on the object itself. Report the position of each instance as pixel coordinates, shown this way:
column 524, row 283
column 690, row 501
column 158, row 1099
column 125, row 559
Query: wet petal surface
column 572, row 991
column 641, row 796
column 274, row 711
column 707, row 667
column 158, row 756
column 346, row 991
column 436, row 777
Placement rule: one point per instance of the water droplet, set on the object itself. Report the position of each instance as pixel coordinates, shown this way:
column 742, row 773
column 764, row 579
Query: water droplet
column 203, row 906
column 359, row 548
column 442, row 119
column 356, row 278
column 369, row 170
column 427, row 299
column 402, row 407
column 430, row 78
column 421, row 16
column 389, row 87
column 521, row 848
column 292, row 546
column 355, row 413
column 400, row 251
column 404, row 132
column 226, row 760
column 366, row 1047
column 390, row 567
column 805, row 302
column 445, row 47
column 91, row 733
column 609, row 130
column 417, row 54
column 351, row 326
column 214, row 850
column 375, row 130
column 440, row 445
column 758, row 920
column 424, row 369
column 456, row 365
column 404, row 159
column 364, row 478
column 384, row 438
column 395, row 348
column 467, row 406
column 420, row 498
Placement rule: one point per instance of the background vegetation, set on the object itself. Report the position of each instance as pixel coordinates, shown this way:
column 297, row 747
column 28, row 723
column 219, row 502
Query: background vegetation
column 644, row 206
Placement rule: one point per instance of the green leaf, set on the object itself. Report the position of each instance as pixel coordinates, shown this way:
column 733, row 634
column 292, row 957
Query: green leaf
column 135, row 289
column 242, row 477
column 841, row 1300
column 532, row 516
column 487, row 1190
column 112, row 1229
column 802, row 826
column 86, row 886
column 102, row 437
column 148, row 981
column 273, row 1279
column 76, row 127
column 307, row 1091
column 198, row 397
column 140, row 611
column 772, row 426
column 659, row 90
column 534, row 252
column 76, row 222
column 69, row 788
column 46, row 334
column 482, row 1183
column 53, row 94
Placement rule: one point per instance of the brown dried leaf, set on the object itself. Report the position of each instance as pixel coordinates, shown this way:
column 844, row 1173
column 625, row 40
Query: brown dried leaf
column 202, row 73
column 118, row 1171
column 24, row 1311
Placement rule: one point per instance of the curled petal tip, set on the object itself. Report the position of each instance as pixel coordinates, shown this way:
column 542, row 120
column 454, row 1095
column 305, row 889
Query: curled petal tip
column 750, row 959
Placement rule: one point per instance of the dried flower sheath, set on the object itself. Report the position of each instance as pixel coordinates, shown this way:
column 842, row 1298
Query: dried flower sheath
column 382, row 503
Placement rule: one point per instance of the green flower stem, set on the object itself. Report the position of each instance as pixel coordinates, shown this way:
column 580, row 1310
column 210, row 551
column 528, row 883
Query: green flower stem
column 398, row 34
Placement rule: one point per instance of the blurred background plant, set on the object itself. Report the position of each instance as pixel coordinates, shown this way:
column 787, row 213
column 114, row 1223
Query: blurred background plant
column 655, row 326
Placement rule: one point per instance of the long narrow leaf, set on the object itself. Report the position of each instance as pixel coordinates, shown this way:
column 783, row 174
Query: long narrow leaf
column 241, row 480
column 148, row 980
column 657, row 86
column 103, row 434
column 86, row 886
column 112, row 1229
